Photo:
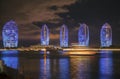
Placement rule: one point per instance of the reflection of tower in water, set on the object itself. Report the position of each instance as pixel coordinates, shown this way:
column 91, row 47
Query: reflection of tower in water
column 11, row 61
column 106, row 65
column 45, row 65
column 80, row 67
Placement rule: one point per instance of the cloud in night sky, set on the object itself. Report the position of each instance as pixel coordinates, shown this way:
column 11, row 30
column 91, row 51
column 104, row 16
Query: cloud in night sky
column 30, row 15
column 25, row 12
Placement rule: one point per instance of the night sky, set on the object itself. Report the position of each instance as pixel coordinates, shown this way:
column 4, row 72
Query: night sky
column 30, row 15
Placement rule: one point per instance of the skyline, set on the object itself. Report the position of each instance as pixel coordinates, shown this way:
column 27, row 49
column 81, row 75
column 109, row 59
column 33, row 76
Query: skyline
column 31, row 15
column 10, row 35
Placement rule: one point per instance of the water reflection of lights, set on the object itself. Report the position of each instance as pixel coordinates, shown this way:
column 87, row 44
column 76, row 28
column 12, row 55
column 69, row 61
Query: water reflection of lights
column 90, row 49
column 64, row 68
column 106, row 65
column 44, row 67
column 10, row 61
column 43, row 49
column 54, row 68
column 80, row 67
column 81, row 53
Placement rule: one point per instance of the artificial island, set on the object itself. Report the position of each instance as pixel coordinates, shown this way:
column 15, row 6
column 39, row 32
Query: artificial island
column 10, row 39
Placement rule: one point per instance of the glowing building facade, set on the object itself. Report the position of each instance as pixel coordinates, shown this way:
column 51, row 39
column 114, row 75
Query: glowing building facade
column 45, row 35
column 64, row 36
column 106, row 35
column 10, row 34
column 83, row 35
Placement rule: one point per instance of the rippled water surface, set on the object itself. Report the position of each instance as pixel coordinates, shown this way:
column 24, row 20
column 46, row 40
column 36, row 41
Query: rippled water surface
column 35, row 65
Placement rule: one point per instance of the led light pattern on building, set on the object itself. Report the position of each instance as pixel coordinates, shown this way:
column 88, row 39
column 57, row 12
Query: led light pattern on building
column 83, row 35
column 106, row 35
column 45, row 35
column 10, row 34
column 64, row 36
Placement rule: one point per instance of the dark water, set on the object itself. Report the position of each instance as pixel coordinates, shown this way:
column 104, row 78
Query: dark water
column 33, row 65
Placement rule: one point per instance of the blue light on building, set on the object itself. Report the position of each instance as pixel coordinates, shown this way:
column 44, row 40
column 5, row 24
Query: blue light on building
column 106, row 35
column 45, row 35
column 64, row 36
column 83, row 35
column 10, row 34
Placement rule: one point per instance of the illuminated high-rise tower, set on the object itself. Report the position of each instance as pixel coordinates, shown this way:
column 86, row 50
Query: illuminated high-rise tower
column 64, row 36
column 45, row 35
column 83, row 35
column 10, row 34
column 106, row 35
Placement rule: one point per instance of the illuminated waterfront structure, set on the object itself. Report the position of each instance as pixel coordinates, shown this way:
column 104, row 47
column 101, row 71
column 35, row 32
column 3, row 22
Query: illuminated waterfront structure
column 83, row 35
column 10, row 34
column 106, row 35
column 45, row 35
column 64, row 36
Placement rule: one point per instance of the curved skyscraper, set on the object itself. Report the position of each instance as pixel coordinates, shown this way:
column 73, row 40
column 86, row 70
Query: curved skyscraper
column 10, row 34
column 64, row 36
column 83, row 35
column 45, row 35
column 106, row 35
